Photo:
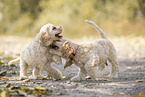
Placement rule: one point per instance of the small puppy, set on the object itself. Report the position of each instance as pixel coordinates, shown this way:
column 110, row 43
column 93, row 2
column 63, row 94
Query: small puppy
column 37, row 54
column 88, row 55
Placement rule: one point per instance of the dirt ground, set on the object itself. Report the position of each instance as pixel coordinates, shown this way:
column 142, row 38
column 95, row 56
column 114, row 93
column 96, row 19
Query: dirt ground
column 130, row 81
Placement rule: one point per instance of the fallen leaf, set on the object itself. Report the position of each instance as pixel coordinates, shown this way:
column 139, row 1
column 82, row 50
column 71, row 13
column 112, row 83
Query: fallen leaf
column 26, row 80
column 15, row 87
column 12, row 65
column 106, row 79
column 14, row 72
column 140, row 95
column 44, row 79
column 5, row 85
column 88, row 77
column 117, row 93
column 3, row 73
column 4, row 79
column 0, row 62
column 26, row 89
column 8, row 85
column 140, row 80
column 22, row 93
column 39, row 88
column 50, row 76
column 91, row 84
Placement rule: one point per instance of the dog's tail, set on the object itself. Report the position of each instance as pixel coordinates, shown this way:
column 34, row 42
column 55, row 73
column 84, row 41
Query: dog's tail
column 99, row 30
column 14, row 61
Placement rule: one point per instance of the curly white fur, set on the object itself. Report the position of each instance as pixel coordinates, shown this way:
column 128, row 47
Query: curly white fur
column 37, row 54
column 88, row 55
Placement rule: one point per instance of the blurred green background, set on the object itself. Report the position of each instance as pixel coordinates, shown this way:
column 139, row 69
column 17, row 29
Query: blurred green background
column 116, row 17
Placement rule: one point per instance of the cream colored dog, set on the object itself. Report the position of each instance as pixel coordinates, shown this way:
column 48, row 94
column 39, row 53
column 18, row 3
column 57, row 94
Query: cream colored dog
column 37, row 54
column 88, row 55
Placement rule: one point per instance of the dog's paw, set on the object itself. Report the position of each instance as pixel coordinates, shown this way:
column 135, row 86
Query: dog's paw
column 58, row 77
column 61, row 78
column 76, row 78
column 37, row 77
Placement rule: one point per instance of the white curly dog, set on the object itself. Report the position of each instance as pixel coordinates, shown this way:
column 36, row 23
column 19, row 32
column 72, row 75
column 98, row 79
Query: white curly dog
column 37, row 54
column 88, row 55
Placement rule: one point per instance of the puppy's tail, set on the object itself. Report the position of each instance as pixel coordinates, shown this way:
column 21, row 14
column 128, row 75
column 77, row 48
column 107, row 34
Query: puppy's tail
column 99, row 30
column 14, row 61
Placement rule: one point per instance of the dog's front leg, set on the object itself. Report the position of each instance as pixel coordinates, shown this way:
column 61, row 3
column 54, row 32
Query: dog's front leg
column 114, row 69
column 91, row 71
column 81, row 75
column 57, row 60
column 56, row 74
column 23, row 70
column 36, row 74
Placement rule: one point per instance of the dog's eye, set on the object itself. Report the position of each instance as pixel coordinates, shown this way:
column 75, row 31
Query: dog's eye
column 53, row 28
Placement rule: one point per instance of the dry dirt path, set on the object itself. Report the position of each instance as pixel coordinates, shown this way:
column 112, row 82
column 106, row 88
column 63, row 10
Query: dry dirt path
column 131, row 82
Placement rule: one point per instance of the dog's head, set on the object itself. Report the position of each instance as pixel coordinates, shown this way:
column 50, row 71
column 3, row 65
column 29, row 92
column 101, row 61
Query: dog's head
column 49, row 33
column 66, row 50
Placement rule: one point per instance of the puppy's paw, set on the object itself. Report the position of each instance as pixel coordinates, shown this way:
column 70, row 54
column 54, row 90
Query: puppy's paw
column 37, row 77
column 76, row 78
column 58, row 77
column 61, row 78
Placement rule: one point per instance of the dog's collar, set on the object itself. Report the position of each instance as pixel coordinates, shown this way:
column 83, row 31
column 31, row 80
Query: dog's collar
column 72, row 55
column 49, row 46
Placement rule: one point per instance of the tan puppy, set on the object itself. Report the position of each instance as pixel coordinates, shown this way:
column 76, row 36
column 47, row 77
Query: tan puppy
column 37, row 54
column 88, row 55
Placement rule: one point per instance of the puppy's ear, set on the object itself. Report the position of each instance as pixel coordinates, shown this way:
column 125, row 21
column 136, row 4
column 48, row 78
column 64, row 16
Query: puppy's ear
column 41, row 37
column 69, row 47
column 45, row 39
column 72, row 51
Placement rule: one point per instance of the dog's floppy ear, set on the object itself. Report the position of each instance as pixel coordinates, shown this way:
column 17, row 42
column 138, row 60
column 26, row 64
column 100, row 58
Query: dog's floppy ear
column 41, row 37
column 69, row 47
column 45, row 39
